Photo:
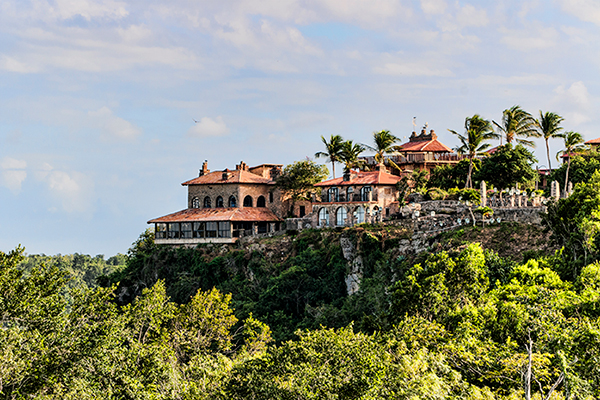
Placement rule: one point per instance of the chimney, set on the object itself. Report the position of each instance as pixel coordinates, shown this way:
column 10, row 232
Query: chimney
column 242, row 166
column 204, row 169
column 433, row 135
column 225, row 174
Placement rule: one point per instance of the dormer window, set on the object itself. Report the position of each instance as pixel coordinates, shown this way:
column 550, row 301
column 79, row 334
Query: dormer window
column 219, row 202
column 195, row 202
column 207, row 202
column 232, row 201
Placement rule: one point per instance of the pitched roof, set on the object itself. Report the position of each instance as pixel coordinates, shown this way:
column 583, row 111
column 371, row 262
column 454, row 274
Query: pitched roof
column 247, row 214
column 593, row 141
column 364, row 178
column 237, row 176
column 433, row 145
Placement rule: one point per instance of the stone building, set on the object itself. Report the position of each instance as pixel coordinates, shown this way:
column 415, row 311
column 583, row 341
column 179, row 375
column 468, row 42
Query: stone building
column 357, row 197
column 225, row 205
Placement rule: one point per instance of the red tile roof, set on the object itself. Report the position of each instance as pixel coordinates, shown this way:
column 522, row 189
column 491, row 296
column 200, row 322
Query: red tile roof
column 247, row 214
column 364, row 178
column 237, row 176
column 593, row 141
column 434, row 146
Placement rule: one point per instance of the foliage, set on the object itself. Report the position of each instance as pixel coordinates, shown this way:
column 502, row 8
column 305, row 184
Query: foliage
column 581, row 168
column 549, row 128
column 333, row 150
column 453, row 176
column 349, row 155
column 418, row 179
column 573, row 144
column 508, row 166
column 477, row 132
column 517, row 124
column 298, row 179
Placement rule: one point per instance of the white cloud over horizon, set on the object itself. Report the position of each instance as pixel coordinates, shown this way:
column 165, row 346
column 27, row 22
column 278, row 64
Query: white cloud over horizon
column 209, row 127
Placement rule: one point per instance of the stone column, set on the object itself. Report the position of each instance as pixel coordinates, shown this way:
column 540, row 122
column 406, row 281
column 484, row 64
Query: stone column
column 483, row 194
column 555, row 190
column 512, row 201
column 569, row 189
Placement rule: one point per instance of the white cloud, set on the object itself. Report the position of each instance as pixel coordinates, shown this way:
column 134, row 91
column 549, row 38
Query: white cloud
column 209, row 127
column 13, row 173
column 89, row 9
column 73, row 190
column 433, row 6
column 575, row 101
column 534, row 37
column 112, row 126
column 586, row 10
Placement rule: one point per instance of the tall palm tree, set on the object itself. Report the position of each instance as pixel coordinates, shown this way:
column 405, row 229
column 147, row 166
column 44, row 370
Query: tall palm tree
column 350, row 153
column 384, row 142
column 549, row 127
column 333, row 150
column 516, row 123
column 573, row 143
column 477, row 132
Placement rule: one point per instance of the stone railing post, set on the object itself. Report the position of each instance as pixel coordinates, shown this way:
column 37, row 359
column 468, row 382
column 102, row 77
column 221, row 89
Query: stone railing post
column 483, row 190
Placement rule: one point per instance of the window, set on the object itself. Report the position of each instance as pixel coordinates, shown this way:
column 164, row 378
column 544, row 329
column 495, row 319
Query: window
column 242, row 229
column 160, row 231
column 262, row 227
column 360, row 215
column 219, row 202
column 186, row 230
column 224, row 229
column 173, row 230
column 340, row 216
column 260, row 202
column 195, row 202
column 302, row 211
column 270, row 197
column 323, row 217
column 199, row 230
column 247, row 201
column 333, row 194
column 211, row 229
column 207, row 202
column 232, row 202
column 364, row 193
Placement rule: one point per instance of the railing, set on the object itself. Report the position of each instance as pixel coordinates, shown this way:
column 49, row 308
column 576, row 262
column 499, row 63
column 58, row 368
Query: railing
column 356, row 197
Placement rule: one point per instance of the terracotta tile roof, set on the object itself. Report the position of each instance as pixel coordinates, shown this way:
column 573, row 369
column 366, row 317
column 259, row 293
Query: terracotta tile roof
column 237, row 176
column 425, row 145
column 364, row 178
column 247, row 214
column 593, row 141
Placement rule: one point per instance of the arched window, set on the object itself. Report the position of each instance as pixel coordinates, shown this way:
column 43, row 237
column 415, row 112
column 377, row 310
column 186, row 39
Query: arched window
column 232, row 202
column 323, row 217
column 360, row 215
column 219, row 202
column 207, row 202
column 340, row 216
column 364, row 193
column 260, row 202
column 333, row 194
column 247, row 201
column 195, row 202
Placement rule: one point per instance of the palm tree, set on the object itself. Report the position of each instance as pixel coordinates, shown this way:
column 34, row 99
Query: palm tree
column 573, row 143
column 333, row 150
column 350, row 153
column 477, row 131
column 384, row 142
column 517, row 122
column 549, row 127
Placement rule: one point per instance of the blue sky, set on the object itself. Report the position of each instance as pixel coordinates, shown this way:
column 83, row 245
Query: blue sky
column 98, row 97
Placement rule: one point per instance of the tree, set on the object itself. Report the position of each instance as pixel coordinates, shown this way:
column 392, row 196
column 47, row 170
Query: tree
column 298, row 179
column 517, row 123
column 350, row 153
column 549, row 127
column 508, row 166
column 477, row 131
column 419, row 179
column 453, row 175
column 384, row 142
column 573, row 143
column 333, row 150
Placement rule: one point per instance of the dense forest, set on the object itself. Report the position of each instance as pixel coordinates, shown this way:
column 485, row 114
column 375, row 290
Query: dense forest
column 498, row 312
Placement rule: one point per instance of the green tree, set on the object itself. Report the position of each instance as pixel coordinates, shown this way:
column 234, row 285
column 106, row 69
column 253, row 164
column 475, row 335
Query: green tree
column 477, row 132
column 516, row 124
column 453, row 175
column 350, row 153
column 333, row 150
column 418, row 178
column 549, row 127
column 508, row 166
column 573, row 144
column 299, row 178
column 384, row 143
column 581, row 168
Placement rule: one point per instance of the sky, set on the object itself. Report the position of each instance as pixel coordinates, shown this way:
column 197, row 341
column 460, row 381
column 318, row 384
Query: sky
column 99, row 98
